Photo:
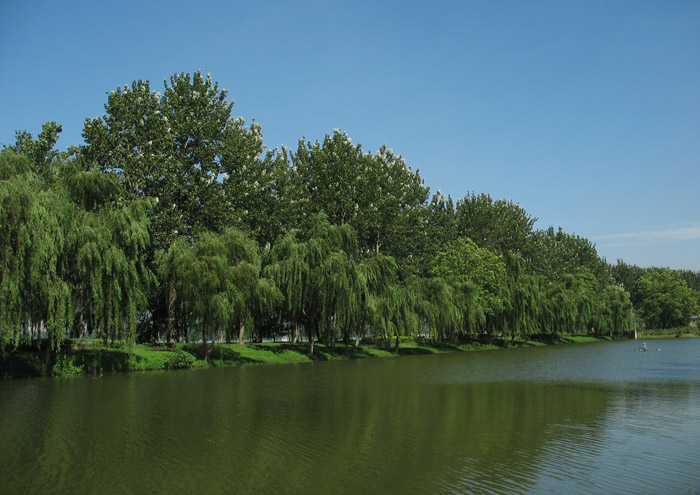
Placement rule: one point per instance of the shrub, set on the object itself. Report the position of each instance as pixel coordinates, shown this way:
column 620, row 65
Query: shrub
column 66, row 364
column 181, row 359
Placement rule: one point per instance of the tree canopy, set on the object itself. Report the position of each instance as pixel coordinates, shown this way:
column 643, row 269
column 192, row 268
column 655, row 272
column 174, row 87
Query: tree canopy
column 174, row 221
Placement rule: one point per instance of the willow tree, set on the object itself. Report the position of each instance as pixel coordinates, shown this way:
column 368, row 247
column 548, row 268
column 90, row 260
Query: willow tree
column 615, row 315
column 524, row 299
column 448, row 307
column 395, row 314
column 319, row 278
column 33, row 289
column 179, row 147
column 218, row 279
column 378, row 281
column 70, row 252
column 111, row 279
column 559, row 312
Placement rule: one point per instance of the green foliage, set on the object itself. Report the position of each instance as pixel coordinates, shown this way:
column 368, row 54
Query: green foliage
column 377, row 194
column 40, row 152
column 628, row 277
column 498, row 225
column 330, row 240
column 181, row 359
column 66, row 364
column 218, row 281
column 33, row 285
column 320, row 277
column 70, row 254
column 666, row 301
column 175, row 147
column 555, row 254
column 467, row 262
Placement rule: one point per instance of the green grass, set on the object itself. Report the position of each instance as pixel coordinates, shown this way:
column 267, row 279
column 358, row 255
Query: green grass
column 666, row 333
column 93, row 357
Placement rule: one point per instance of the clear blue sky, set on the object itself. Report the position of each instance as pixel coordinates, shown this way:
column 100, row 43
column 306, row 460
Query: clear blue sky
column 585, row 113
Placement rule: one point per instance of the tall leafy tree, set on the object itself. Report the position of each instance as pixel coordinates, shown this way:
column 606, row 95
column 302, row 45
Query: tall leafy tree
column 319, row 277
column 498, row 225
column 33, row 289
column 218, row 279
column 440, row 229
column 556, row 253
column 378, row 194
column 176, row 147
column 40, row 151
column 180, row 147
column 467, row 262
column 521, row 316
column 628, row 276
column 665, row 300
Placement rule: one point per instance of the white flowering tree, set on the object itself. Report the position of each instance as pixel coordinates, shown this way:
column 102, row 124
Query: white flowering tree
column 377, row 194
column 177, row 147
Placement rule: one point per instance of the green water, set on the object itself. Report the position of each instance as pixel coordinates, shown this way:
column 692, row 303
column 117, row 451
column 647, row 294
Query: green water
column 584, row 418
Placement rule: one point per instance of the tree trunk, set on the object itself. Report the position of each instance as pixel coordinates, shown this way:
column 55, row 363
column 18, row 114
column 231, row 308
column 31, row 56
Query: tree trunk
column 81, row 328
column 172, row 295
column 296, row 333
column 311, row 340
column 207, row 350
column 241, row 333
column 396, row 344
column 47, row 353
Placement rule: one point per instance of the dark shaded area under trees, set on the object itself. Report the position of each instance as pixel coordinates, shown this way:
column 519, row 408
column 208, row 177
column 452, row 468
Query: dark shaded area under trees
column 174, row 223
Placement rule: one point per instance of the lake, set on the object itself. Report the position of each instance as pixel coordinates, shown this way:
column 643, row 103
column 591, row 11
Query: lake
column 582, row 418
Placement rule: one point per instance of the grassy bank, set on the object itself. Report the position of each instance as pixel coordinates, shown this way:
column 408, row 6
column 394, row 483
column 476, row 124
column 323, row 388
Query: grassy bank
column 669, row 333
column 92, row 357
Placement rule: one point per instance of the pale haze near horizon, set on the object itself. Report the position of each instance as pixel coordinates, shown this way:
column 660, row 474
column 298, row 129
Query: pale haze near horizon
column 587, row 114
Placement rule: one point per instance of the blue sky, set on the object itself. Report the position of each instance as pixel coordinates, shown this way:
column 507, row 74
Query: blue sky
column 585, row 113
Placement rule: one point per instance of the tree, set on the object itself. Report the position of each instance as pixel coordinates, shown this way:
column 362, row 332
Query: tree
column 181, row 148
column 498, row 225
column 176, row 147
column 665, row 300
column 524, row 299
column 377, row 194
column 440, row 228
column 467, row 262
column 39, row 151
column 33, row 289
column 320, row 278
column 615, row 315
column 628, row 276
column 554, row 254
column 69, row 253
column 218, row 279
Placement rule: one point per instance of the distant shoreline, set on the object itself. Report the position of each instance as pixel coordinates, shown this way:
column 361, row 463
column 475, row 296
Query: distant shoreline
column 92, row 357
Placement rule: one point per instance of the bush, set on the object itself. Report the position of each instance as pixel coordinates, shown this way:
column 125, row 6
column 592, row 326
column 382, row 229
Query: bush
column 66, row 364
column 22, row 365
column 181, row 359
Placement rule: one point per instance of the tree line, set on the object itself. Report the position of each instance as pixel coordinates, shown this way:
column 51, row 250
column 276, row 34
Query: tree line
column 173, row 221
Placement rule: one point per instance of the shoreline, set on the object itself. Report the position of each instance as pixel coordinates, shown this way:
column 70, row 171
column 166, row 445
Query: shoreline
column 89, row 358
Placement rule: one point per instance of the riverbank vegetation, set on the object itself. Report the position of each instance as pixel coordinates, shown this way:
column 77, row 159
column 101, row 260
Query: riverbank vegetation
column 173, row 224
column 92, row 357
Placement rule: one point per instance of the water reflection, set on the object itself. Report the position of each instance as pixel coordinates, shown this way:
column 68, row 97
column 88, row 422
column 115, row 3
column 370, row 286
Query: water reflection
column 491, row 422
